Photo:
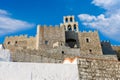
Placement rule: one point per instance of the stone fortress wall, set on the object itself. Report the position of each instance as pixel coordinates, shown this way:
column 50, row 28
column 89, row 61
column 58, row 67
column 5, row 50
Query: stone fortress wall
column 59, row 40
column 98, row 69
column 38, row 56
column 116, row 47
column 20, row 42
column 96, row 60
column 48, row 35
column 90, row 43
column 43, row 56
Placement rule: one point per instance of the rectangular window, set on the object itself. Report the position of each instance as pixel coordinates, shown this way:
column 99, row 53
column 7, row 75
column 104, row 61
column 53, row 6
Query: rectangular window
column 87, row 40
column 46, row 42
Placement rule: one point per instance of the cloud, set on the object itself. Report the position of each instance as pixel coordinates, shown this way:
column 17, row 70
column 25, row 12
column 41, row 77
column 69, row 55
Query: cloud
column 107, row 4
column 108, row 22
column 3, row 12
column 11, row 25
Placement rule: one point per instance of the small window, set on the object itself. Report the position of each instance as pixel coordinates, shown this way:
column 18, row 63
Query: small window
column 9, row 42
column 62, row 52
column 71, row 19
column 75, row 29
column 90, row 50
column 16, row 42
column 87, row 40
column 46, row 42
column 66, row 20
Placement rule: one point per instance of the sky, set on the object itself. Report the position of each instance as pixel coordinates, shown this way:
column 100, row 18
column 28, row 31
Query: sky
column 22, row 16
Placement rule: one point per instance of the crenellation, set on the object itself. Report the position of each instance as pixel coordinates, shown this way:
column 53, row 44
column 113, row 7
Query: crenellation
column 31, row 37
column 84, row 31
column 90, row 31
column 105, row 41
column 57, row 26
column 44, row 25
column 59, row 41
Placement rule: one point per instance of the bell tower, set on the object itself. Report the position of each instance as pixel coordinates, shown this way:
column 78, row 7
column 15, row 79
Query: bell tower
column 71, row 31
column 69, row 24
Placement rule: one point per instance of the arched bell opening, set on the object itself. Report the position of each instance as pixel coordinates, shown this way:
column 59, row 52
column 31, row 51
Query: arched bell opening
column 69, row 28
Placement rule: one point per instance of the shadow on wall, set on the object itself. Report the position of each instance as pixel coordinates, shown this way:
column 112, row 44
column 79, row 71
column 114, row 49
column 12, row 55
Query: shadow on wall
column 72, row 39
column 107, row 48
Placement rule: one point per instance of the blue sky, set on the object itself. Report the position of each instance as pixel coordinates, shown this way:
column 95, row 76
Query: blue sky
column 21, row 16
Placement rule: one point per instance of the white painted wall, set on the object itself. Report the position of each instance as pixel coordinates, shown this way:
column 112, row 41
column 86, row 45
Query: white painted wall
column 38, row 71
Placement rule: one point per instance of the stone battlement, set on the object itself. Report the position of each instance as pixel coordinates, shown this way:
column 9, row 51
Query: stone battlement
column 61, row 39
column 20, row 36
column 90, row 31
column 48, row 26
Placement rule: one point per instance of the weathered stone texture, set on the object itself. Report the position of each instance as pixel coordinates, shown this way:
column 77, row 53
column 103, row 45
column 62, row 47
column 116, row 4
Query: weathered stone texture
column 116, row 48
column 38, row 56
column 59, row 40
column 90, row 43
column 49, row 35
column 98, row 69
column 20, row 42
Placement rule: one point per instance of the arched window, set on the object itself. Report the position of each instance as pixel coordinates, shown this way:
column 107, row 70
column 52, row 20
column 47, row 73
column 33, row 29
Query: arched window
column 66, row 20
column 71, row 19
column 87, row 40
column 69, row 28
column 75, row 29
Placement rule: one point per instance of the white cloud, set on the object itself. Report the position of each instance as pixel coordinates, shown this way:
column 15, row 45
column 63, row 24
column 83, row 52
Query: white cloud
column 10, row 25
column 108, row 22
column 107, row 4
column 3, row 12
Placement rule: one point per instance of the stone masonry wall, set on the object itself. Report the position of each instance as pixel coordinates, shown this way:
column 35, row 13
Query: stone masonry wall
column 98, row 69
column 20, row 42
column 49, row 35
column 90, row 43
column 117, row 51
column 116, row 48
column 41, row 56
